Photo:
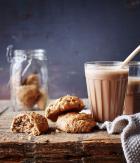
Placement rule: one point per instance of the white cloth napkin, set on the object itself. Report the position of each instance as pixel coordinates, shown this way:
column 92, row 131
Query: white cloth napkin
column 129, row 127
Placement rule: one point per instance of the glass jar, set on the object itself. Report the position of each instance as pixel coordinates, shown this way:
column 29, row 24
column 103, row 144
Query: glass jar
column 28, row 79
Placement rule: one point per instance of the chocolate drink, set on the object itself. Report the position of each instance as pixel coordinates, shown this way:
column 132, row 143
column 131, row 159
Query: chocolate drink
column 132, row 99
column 106, row 91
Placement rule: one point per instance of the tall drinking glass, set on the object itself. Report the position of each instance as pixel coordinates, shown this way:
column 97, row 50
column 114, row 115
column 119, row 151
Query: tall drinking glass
column 106, row 86
column 132, row 99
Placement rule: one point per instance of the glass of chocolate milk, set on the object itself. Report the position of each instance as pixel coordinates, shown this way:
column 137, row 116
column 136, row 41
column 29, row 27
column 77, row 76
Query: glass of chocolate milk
column 132, row 99
column 106, row 86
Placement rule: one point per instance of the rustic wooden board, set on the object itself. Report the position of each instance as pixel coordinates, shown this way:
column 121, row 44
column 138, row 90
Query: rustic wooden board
column 98, row 146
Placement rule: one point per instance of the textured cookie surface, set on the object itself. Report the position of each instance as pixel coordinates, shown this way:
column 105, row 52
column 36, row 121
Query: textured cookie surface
column 75, row 122
column 62, row 105
column 28, row 95
column 31, row 123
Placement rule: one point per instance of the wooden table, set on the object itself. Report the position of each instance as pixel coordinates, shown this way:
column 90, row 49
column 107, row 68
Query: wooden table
column 60, row 147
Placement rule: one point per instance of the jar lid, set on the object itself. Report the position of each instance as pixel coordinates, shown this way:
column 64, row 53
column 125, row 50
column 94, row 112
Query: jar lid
column 36, row 53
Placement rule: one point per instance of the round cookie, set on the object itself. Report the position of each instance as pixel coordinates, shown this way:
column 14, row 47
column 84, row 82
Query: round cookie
column 75, row 122
column 62, row 105
column 31, row 123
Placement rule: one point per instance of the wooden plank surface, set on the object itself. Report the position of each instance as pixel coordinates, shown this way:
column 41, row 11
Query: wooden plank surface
column 55, row 146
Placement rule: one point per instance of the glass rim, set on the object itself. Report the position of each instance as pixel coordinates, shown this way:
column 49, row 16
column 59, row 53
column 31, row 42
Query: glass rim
column 134, row 63
column 98, row 61
column 103, row 63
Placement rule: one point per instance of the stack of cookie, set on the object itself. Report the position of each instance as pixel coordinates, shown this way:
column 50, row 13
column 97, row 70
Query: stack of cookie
column 65, row 112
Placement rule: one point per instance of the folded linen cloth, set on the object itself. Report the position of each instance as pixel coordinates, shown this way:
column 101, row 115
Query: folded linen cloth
column 129, row 127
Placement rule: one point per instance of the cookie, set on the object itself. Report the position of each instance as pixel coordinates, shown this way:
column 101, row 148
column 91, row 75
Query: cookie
column 75, row 122
column 42, row 99
column 27, row 95
column 31, row 123
column 62, row 105
column 32, row 79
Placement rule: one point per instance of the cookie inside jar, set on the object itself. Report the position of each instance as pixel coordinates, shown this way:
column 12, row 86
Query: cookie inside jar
column 29, row 82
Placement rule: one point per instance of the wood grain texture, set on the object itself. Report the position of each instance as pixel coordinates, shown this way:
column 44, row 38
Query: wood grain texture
column 56, row 146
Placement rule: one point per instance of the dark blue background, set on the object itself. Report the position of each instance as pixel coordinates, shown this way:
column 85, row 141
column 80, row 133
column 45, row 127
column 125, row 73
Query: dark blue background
column 72, row 32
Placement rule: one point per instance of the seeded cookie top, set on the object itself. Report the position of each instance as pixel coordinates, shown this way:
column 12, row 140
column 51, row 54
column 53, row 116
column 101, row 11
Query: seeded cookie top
column 62, row 105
